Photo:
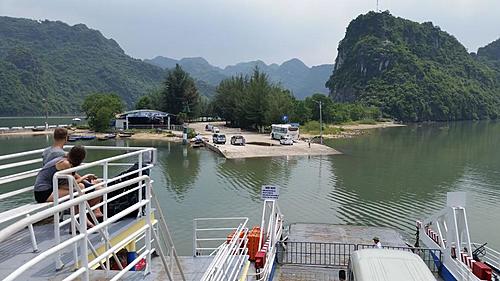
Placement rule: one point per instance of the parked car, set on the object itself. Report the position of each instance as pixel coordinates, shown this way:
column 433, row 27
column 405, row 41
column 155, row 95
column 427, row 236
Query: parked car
column 208, row 127
column 215, row 129
column 219, row 138
column 238, row 140
column 286, row 140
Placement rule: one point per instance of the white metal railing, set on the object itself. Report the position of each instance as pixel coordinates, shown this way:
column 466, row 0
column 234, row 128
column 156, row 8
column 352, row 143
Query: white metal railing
column 82, row 239
column 144, row 157
column 229, row 252
column 25, row 164
column 272, row 223
column 213, row 233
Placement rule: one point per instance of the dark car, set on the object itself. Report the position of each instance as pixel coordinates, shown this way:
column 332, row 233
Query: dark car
column 219, row 138
column 238, row 140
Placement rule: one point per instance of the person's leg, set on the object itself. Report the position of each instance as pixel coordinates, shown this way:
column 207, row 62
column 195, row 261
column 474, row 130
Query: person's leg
column 93, row 202
column 61, row 193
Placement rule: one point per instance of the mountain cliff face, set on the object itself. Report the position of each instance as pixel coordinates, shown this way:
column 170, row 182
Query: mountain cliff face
column 490, row 55
column 61, row 63
column 293, row 74
column 412, row 71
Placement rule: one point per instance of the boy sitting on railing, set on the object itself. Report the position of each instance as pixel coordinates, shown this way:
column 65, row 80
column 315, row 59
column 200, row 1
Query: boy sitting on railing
column 44, row 185
column 56, row 149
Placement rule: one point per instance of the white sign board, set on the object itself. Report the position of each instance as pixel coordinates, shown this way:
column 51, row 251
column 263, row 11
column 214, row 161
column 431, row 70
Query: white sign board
column 269, row 192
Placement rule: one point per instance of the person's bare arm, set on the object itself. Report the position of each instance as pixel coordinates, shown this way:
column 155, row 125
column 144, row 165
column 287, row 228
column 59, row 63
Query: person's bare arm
column 63, row 165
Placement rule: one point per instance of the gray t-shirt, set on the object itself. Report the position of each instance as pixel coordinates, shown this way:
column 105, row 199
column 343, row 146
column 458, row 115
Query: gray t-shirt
column 44, row 178
column 51, row 153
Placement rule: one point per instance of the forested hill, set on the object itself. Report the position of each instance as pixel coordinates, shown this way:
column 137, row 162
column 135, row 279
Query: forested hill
column 490, row 54
column 412, row 71
column 47, row 59
column 293, row 74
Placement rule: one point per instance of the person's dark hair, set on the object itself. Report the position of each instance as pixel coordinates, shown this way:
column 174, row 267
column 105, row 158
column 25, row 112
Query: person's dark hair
column 76, row 155
column 60, row 134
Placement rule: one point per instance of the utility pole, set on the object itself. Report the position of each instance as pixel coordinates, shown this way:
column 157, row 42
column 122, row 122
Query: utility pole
column 320, row 124
column 46, row 113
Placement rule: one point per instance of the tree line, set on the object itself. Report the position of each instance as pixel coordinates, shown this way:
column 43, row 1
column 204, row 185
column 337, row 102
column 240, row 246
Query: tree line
column 251, row 102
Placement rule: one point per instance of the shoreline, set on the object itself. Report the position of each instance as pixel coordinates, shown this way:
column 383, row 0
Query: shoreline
column 353, row 130
column 258, row 144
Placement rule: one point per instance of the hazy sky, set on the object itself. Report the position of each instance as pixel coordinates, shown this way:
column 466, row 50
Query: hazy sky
column 230, row 31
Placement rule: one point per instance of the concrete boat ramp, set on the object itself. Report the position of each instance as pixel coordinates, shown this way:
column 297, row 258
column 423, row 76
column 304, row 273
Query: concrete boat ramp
column 258, row 145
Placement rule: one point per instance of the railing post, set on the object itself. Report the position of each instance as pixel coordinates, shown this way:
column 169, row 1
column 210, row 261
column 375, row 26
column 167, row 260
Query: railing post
column 71, row 189
column 105, row 213
column 57, row 236
column 194, row 238
column 140, row 183
column 84, row 255
column 150, row 224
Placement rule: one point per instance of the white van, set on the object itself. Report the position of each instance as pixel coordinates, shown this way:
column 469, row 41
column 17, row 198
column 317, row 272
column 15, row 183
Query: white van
column 387, row 265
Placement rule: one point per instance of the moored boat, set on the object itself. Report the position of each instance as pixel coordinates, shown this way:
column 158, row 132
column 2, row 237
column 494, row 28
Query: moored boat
column 106, row 137
column 73, row 138
column 87, row 137
column 38, row 129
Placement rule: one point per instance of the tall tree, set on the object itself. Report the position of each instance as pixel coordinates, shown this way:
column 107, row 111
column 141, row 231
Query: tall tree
column 180, row 95
column 253, row 102
column 255, row 99
column 228, row 99
column 100, row 109
column 144, row 103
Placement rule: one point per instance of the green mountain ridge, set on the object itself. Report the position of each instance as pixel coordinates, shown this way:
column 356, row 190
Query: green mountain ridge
column 293, row 74
column 63, row 63
column 412, row 71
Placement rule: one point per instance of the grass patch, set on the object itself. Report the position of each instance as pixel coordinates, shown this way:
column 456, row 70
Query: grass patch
column 312, row 127
column 367, row 121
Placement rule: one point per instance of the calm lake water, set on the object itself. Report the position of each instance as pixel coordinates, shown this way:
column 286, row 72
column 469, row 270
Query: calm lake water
column 34, row 121
column 389, row 177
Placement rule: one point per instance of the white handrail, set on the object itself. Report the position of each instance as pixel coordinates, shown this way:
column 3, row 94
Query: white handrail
column 80, row 201
column 110, row 159
column 21, row 224
column 14, row 275
column 79, row 198
column 227, row 262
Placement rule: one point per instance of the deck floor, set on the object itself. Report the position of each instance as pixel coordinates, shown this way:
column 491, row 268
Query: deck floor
column 18, row 250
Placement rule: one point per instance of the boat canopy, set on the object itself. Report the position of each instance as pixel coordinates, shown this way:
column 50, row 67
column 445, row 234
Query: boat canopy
column 148, row 113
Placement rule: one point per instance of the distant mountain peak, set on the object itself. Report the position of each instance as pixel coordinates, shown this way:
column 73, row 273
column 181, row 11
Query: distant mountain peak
column 293, row 74
column 195, row 60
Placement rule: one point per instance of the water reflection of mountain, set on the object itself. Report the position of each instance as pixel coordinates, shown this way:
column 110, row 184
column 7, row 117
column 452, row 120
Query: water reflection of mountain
column 393, row 174
column 250, row 174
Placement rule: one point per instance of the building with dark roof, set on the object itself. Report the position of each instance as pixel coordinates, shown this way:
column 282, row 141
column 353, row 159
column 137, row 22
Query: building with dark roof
column 144, row 118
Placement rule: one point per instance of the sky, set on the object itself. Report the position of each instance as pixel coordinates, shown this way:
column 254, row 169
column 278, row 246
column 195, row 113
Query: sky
column 226, row 32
